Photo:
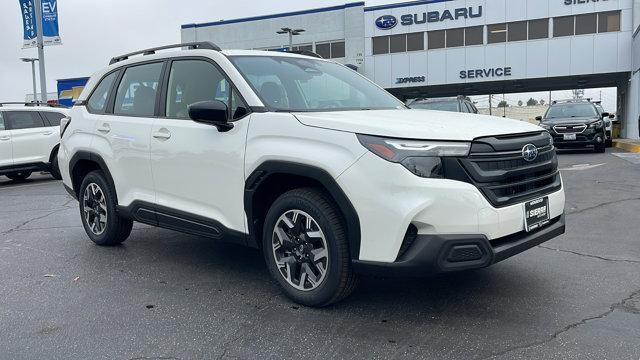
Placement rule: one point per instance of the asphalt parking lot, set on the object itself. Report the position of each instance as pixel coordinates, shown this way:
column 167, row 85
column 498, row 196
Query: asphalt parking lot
column 167, row 295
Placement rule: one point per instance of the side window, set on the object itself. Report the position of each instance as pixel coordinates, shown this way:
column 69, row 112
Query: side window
column 238, row 107
column 2, row 126
column 191, row 81
column 136, row 95
column 474, row 109
column 98, row 100
column 24, row 120
column 53, row 118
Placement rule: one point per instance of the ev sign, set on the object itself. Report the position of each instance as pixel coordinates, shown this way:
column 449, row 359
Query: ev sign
column 49, row 21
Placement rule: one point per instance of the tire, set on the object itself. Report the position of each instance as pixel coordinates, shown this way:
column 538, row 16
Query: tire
column 97, row 196
column 600, row 148
column 609, row 143
column 55, row 168
column 303, row 251
column 19, row 176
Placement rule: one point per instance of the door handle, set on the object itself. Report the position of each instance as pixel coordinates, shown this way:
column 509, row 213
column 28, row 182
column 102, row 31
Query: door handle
column 47, row 133
column 5, row 138
column 162, row 134
column 105, row 128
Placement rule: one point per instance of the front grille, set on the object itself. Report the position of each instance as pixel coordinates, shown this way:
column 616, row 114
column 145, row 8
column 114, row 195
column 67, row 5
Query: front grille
column 570, row 129
column 496, row 166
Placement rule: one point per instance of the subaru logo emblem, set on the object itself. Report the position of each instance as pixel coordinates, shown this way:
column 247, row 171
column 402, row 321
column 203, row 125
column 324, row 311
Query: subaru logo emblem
column 529, row 152
column 386, row 22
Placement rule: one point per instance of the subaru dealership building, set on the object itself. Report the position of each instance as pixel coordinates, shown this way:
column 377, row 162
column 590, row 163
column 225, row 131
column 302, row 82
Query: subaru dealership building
column 450, row 47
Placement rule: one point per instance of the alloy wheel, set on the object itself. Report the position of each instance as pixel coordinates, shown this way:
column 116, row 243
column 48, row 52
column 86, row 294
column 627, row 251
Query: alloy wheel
column 94, row 207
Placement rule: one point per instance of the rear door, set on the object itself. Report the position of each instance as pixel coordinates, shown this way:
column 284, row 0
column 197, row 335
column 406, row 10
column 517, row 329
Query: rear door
column 29, row 137
column 6, row 153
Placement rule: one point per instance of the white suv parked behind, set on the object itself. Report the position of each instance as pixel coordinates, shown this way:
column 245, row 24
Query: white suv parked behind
column 29, row 139
column 308, row 160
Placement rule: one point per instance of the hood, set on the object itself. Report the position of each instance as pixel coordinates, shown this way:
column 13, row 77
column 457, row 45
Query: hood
column 416, row 124
column 570, row 120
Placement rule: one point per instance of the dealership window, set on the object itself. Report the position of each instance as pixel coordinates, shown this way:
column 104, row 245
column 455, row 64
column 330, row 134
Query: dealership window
column 380, row 45
column 324, row 50
column 455, row 37
column 517, row 31
column 305, row 47
column 538, row 29
column 436, row 39
column 415, row 41
column 563, row 26
column 497, row 33
column 474, row 35
column 609, row 21
column 397, row 43
column 337, row 49
column 586, row 24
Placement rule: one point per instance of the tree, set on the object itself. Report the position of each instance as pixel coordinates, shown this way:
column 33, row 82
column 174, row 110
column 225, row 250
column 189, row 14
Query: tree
column 503, row 104
column 520, row 103
column 532, row 102
column 542, row 102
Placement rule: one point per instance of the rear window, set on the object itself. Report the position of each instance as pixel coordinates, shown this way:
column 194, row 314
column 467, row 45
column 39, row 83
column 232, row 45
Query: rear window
column 437, row 105
column 98, row 100
column 2, row 127
column 571, row 111
column 53, row 117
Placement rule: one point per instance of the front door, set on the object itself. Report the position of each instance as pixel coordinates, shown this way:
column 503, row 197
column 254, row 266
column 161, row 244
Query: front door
column 198, row 170
column 6, row 153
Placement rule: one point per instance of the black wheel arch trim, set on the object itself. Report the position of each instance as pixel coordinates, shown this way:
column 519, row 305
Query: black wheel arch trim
column 92, row 157
column 277, row 167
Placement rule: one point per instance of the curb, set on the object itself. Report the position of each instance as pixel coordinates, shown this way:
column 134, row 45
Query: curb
column 632, row 147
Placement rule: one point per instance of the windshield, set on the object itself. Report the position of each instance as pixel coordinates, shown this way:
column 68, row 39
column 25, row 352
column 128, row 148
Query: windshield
column 571, row 111
column 600, row 109
column 437, row 105
column 301, row 84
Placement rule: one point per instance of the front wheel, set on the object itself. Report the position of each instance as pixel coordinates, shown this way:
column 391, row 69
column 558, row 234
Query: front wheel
column 100, row 219
column 19, row 176
column 306, row 248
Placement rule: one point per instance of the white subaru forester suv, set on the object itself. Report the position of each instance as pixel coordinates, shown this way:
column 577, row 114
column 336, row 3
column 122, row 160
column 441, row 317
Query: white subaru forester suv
column 309, row 161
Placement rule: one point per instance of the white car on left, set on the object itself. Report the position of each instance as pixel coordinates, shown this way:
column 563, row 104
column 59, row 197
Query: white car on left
column 29, row 139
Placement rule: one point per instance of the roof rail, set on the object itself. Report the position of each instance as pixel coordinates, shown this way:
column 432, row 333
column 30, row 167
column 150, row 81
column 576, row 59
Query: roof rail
column 206, row 45
column 31, row 103
column 305, row 52
column 569, row 100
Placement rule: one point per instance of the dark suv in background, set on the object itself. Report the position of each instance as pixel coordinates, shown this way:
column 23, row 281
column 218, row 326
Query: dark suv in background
column 454, row 104
column 575, row 124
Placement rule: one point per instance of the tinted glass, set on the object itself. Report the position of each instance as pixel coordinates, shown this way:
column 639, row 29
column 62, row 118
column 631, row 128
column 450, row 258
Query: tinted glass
column 538, row 29
column 415, row 41
column 53, row 117
column 586, row 24
column 517, row 31
column 324, row 50
column 437, row 105
column 98, row 100
column 380, row 45
column 2, row 126
column 136, row 94
column 497, row 33
column 337, row 49
column 435, row 39
column 398, row 43
column 563, row 26
column 455, row 37
column 191, row 81
column 301, row 84
column 23, row 120
column 609, row 21
column 474, row 35
column 571, row 110
column 238, row 106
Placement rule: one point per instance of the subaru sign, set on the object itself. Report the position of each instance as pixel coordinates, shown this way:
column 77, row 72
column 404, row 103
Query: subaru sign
column 49, row 21
column 386, row 22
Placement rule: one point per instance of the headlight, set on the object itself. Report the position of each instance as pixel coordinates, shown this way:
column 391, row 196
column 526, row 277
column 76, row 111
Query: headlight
column 422, row 158
column 596, row 124
column 545, row 126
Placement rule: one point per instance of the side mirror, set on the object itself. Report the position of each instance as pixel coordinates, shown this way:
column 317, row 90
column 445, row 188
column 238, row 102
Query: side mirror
column 538, row 118
column 213, row 112
column 612, row 116
column 605, row 115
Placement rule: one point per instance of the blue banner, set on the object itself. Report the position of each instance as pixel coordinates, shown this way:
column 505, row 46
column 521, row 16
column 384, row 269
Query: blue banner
column 49, row 21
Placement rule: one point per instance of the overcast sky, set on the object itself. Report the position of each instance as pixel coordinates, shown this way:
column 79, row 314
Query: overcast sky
column 94, row 31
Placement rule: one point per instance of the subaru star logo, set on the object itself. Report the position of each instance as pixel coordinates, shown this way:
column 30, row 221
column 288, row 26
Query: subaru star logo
column 529, row 152
column 386, row 22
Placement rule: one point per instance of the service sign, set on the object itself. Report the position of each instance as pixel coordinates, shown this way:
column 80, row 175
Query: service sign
column 50, row 31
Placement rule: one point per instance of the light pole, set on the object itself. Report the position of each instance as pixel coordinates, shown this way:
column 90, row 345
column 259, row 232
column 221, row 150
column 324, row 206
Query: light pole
column 43, row 77
column 291, row 33
column 33, row 75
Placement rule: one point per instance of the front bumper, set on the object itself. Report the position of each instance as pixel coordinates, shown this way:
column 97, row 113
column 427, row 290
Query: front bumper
column 589, row 137
column 436, row 254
